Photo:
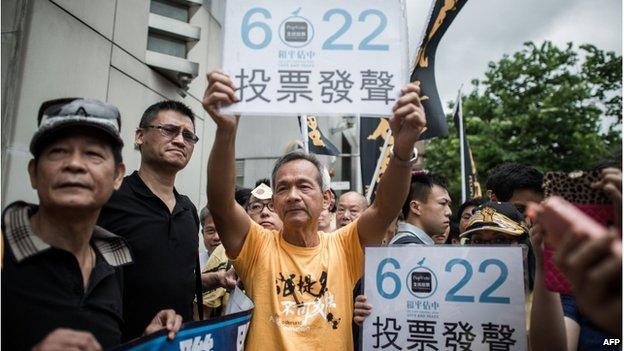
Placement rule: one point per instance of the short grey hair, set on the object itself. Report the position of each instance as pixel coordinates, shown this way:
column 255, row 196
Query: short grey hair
column 294, row 156
column 203, row 214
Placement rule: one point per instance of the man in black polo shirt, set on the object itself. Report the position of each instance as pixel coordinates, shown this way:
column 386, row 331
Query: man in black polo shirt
column 160, row 225
column 61, row 285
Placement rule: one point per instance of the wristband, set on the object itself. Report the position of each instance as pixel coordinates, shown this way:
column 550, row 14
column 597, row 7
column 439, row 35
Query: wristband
column 403, row 163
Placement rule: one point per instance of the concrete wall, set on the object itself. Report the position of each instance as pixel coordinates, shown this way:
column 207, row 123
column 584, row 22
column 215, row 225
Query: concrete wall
column 15, row 23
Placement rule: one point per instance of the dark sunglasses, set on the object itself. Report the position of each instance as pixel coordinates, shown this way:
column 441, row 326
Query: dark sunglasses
column 171, row 131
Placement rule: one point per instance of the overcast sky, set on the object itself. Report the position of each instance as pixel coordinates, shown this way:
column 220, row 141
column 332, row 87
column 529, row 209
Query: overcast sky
column 484, row 30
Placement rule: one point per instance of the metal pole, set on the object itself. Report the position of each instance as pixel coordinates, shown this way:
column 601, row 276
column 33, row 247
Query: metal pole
column 462, row 155
column 304, row 132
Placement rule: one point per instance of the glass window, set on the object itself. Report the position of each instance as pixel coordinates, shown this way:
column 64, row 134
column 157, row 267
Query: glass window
column 168, row 9
column 166, row 45
column 240, row 172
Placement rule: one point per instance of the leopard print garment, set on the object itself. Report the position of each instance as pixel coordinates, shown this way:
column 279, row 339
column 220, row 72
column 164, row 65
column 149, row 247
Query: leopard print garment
column 574, row 187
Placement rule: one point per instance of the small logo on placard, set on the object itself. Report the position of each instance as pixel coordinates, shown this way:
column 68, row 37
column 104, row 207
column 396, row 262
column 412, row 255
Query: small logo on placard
column 296, row 31
column 421, row 281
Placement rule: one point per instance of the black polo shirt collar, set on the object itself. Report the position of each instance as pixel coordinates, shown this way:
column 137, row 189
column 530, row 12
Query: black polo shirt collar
column 140, row 188
column 24, row 243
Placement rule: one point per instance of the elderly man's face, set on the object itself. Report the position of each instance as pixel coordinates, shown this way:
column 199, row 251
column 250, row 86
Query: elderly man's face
column 350, row 206
column 211, row 236
column 76, row 172
column 298, row 198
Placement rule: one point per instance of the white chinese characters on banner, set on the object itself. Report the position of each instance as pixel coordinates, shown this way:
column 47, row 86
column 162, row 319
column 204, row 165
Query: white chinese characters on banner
column 438, row 298
column 321, row 57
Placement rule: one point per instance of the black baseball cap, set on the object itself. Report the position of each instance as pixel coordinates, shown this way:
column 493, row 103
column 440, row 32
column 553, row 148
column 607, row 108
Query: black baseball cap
column 60, row 114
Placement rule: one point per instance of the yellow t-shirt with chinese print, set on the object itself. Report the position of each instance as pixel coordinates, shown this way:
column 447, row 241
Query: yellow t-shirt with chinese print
column 303, row 296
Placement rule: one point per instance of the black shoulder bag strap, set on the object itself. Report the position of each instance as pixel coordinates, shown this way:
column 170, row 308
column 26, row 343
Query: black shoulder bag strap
column 407, row 239
column 198, row 281
column 198, row 291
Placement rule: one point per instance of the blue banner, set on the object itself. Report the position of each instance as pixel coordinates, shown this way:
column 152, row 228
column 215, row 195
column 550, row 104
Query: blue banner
column 225, row 333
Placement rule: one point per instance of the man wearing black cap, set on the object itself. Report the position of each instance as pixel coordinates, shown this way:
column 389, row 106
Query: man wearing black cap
column 496, row 223
column 61, row 288
column 501, row 223
column 160, row 224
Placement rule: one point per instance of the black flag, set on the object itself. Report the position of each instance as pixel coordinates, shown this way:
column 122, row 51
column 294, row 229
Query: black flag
column 470, row 185
column 317, row 142
column 442, row 15
column 373, row 133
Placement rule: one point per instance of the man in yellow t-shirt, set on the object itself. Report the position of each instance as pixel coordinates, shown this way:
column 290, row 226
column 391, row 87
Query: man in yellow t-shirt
column 310, row 288
column 300, row 279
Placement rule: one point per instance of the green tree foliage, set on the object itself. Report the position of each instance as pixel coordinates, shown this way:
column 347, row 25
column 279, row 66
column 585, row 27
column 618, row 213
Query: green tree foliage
column 552, row 108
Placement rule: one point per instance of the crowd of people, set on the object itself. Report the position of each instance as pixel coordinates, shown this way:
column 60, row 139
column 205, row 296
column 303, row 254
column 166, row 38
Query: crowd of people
column 104, row 259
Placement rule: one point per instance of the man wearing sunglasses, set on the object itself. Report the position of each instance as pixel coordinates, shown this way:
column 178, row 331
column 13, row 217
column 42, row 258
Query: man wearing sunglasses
column 160, row 224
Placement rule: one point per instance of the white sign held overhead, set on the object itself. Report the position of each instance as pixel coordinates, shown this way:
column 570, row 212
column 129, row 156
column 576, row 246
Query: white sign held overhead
column 438, row 298
column 315, row 57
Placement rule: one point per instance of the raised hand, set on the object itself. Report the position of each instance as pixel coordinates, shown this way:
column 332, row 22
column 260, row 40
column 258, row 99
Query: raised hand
column 611, row 185
column 536, row 235
column 408, row 121
column 220, row 92
column 595, row 273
